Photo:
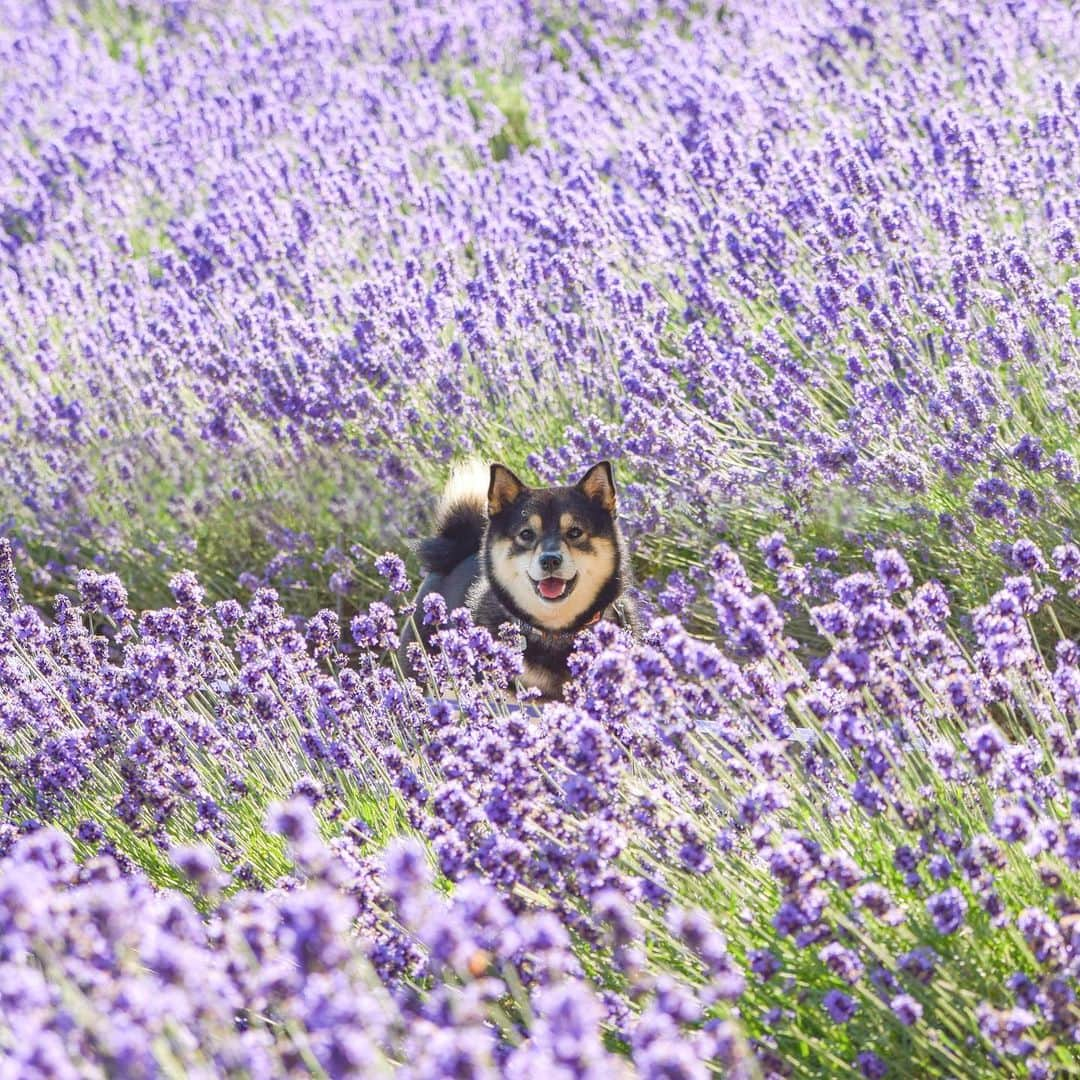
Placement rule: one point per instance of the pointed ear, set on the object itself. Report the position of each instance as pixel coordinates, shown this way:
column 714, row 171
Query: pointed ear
column 503, row 489
column 599, row 484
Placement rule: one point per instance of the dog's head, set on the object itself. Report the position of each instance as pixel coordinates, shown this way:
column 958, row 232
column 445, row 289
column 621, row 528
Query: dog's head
column 554, row 556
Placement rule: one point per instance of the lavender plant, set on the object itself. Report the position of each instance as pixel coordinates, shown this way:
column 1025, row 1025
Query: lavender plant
column 706, row 858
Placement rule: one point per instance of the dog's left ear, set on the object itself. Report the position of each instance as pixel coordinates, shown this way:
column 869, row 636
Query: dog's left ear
column 599, row 484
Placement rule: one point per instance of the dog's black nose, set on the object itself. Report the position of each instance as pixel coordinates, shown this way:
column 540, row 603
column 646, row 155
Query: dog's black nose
column 550, row 561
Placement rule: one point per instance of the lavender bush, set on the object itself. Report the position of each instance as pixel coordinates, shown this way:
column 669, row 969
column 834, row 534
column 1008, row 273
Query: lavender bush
column 806, row 271
column 269, row 268
column 706, row 858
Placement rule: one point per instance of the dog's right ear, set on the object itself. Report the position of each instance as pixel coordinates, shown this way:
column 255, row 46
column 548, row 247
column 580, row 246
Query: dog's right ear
column 503, row 489
column 599, row 485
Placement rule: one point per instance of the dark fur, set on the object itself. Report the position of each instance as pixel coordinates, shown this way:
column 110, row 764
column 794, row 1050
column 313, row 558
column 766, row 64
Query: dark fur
column 460, row 533
column 458, row 561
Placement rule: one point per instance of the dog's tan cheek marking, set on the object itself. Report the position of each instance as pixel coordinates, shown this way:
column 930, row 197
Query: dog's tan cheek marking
column 601, row 545
column 506, row 551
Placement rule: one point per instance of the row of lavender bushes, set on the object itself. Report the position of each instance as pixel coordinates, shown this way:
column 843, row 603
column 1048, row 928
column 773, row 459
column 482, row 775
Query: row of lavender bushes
column 269, row 268
column 234, row 847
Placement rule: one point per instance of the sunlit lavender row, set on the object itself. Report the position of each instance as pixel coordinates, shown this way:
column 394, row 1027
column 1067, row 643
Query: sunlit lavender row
column 806, row 272
column 708, row 858
column 270, row 267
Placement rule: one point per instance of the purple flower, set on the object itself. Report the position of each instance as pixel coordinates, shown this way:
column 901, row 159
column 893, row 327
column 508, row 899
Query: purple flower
column 200, row 865
column 340, row 583
column 984, row 744
column 228, row 612
column 1041, row 933
column 568, row 1026
column 877, row 900
column 920, row 963
column 258, row 285
column 842, row 962
column 406, row 868
column 1012, row 823
column 89, row 832
column 948, row 910
column 1027, row 557
column 1029, row 451
column 859, row 591
column 377, row 630
column 906, row 1009
column 940, row 867
column 614, row 909
column 892, row 570
column 323, row 632
column 9, row 579
column 763, row 963
column 678, row 595
column 293, row 820
column 434, row 607
column 776, row 554
column 1066, row 559
column 105, row 593
column 842, row 870
column 839, row 1006
column 390, row 567
column 186, row 590
column 870, row 1065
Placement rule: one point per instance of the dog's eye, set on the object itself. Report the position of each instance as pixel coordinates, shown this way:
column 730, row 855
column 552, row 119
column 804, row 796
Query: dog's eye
column 526, row 536
column 574, row 533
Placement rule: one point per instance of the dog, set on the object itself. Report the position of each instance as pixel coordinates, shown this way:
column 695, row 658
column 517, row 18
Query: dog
column 550, row 560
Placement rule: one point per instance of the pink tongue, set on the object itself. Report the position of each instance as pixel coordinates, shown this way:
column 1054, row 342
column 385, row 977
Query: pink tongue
column 551, row 587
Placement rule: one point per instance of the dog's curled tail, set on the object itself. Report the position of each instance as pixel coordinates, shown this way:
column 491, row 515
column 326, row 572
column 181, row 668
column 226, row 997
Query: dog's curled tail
column 460, row 518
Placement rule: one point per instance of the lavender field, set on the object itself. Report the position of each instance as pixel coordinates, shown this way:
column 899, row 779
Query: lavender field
column 807, row 272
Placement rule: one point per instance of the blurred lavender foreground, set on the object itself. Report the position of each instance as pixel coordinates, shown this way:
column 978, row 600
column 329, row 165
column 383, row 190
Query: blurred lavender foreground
column 806, row 272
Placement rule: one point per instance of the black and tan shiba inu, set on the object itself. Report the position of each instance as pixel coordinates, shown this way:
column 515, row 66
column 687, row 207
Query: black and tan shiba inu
column 551, row 560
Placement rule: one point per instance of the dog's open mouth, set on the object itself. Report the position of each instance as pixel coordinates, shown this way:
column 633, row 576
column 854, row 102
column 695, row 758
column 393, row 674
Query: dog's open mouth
column 554, row 588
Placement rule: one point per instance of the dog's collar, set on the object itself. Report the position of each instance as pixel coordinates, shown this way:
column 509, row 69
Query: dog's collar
column 551, row 637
